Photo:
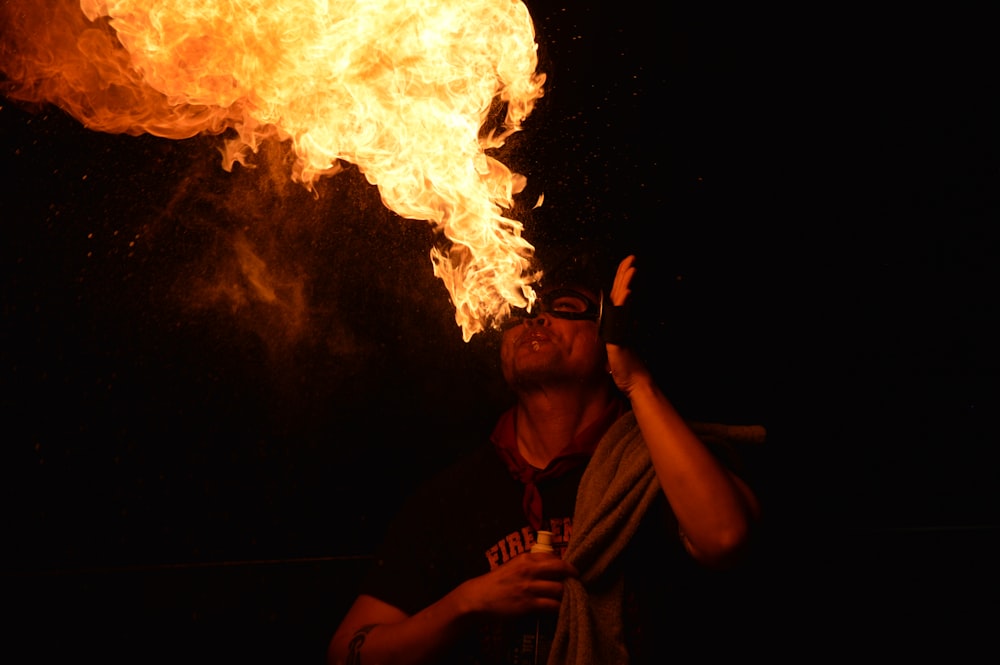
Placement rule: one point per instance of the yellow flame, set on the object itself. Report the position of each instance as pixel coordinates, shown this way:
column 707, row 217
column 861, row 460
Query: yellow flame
column 403, row 89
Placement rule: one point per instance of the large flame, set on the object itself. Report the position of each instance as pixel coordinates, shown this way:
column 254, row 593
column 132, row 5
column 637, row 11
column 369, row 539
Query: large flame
column 403, row 89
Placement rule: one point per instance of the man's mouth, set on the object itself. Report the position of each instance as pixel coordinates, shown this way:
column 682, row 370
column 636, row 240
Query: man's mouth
column 534, row 339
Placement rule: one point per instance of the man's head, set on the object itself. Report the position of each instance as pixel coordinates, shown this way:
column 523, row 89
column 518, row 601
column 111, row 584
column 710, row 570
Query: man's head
column 557, row 340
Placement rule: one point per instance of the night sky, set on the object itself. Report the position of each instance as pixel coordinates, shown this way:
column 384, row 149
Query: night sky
column 813, row 202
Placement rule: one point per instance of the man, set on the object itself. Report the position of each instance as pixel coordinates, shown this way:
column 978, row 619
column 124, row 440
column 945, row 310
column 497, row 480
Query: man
column 595, row 453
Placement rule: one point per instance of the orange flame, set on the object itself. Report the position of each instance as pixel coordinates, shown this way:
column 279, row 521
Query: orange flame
column 403, row 89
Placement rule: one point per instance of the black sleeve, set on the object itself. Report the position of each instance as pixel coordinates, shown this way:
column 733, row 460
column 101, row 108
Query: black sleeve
column 404, row 572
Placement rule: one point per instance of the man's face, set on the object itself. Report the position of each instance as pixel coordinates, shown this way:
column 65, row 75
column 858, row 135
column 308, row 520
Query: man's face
column 557, row 342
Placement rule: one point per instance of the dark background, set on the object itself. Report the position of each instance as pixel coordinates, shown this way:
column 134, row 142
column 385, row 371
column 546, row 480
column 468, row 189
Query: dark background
column 193, row 472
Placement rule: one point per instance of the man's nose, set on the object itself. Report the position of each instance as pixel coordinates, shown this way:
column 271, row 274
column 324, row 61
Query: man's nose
column 536, row 317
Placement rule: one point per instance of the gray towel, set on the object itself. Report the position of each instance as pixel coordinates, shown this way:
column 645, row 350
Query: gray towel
column 615, row 491
column 617, row 488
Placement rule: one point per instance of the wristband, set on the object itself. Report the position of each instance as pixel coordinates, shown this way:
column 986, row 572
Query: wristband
column 616, row 324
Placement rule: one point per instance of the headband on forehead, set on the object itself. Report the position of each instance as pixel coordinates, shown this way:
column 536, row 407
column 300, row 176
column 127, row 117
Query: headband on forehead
column 562, row 303
column 614, row 322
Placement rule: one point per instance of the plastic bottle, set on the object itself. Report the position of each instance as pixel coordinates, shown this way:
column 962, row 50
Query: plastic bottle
column 543, row 625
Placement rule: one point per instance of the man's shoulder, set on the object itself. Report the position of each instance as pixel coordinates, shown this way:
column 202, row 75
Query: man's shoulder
column 474, row 462
column 477, row 465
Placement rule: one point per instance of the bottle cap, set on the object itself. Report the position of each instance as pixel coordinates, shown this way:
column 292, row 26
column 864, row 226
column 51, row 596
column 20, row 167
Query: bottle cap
column 543, row 542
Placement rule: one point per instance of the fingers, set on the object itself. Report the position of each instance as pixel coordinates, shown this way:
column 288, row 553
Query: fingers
column 623, row 278
column 551, row 567
column 542, row 589
column 616, row 324
column 528, row 583
column 547, row 574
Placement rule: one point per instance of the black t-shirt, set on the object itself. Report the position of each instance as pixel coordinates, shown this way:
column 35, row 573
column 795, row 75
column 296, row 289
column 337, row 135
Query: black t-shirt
column 469, row 519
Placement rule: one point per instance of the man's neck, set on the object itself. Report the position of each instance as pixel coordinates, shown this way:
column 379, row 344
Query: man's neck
column 547, row 422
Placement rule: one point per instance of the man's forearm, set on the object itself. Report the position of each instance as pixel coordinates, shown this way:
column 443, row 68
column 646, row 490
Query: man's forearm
column 714, row 509
column 415, row 640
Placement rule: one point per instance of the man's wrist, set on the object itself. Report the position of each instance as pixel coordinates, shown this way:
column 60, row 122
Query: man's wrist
column 640, row 385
